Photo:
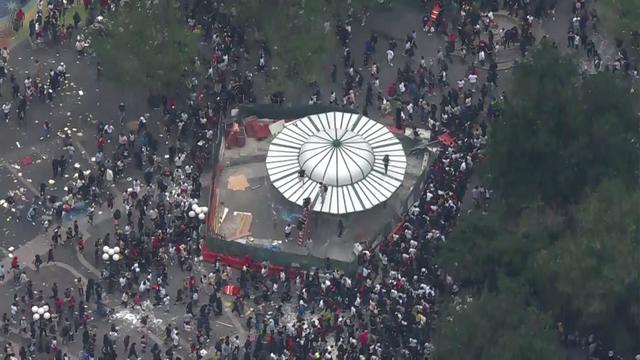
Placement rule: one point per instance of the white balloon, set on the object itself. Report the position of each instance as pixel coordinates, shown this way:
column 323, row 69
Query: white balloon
column 205, row 209
column 116, row 257
column 105, row 248
column 34, row 309
column 36, row 316
column 199, row 210
column 40, row 311
column 201, row 216
column 111, row 252
column 46, row 307
column 47, row 316
column 116, row 250
column 192, row 214
column 194, row 207
column 105, row 256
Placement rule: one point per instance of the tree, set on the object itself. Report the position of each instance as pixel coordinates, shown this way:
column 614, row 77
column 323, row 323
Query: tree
column 560, row 135
column 484, row 247
column 610, row 128
column 300, row 34
column 495, row 326
column 147, row 44
column 590, row 276
column 622, row 16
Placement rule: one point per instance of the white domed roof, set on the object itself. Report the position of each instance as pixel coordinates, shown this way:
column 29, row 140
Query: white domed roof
column 343, row 151
column 336, row 157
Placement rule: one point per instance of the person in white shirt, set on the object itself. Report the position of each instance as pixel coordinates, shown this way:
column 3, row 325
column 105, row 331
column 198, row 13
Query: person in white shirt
column 390, row 55
column 473, row 81
column 481, row 57
column 332, row 98
column 6, row 109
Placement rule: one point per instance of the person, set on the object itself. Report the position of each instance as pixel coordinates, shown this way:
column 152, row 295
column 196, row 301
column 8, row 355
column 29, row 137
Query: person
column 76, row 228
column 116, row 216
column 76, row 20
column 385, row 163
column 47, row 130
column 475, row 196
column 62, row 164
column 19, row 19
column 121, row 112
column 133, row 353
column 287, row 232
column 37, row 262
column 91, row 213
column 126, row 342
column 6, row 110
column 390, row 55
column 340, row 228
column 50, row 258
column 99, row 70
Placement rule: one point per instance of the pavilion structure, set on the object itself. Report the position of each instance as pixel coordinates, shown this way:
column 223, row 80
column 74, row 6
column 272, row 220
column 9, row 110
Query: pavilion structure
column 336, row 163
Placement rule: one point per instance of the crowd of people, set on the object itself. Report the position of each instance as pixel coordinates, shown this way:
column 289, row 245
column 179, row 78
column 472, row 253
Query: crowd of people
column 386, row 310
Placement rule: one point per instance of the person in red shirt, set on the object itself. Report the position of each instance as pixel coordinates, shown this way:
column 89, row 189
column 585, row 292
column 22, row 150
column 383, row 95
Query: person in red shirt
column 391, row 90
column 58, row 305
column 20, row 16
column 364, row 338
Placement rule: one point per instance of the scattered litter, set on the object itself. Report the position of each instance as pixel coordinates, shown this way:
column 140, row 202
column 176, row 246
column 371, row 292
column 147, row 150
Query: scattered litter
column 25, row 160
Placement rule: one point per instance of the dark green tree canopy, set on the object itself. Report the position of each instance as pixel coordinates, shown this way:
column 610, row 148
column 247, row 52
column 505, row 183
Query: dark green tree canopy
column 301, row 34
column 147, row 44
column 564, row 159
column 484, row 247
column 561, row 134
column 495, row 326
column 594, row 268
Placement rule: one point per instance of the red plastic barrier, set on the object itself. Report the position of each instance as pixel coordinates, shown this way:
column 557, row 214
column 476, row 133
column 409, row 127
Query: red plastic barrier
column 239, row 263
column 257, row 130
column 447, row 139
